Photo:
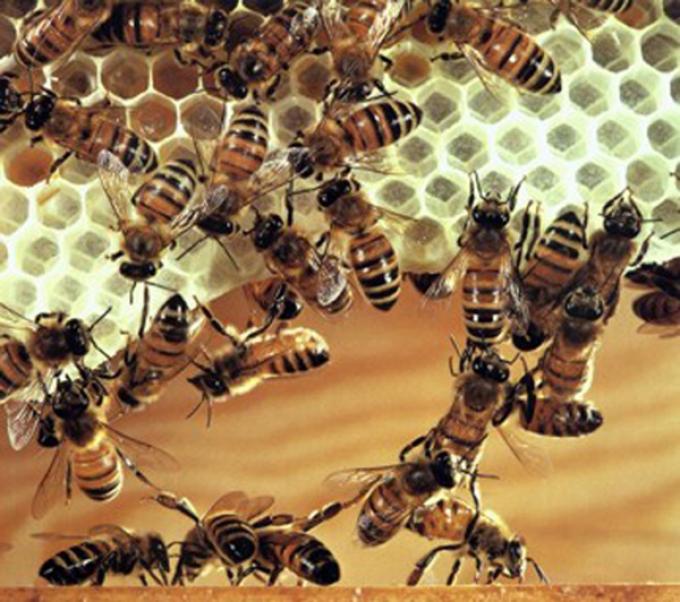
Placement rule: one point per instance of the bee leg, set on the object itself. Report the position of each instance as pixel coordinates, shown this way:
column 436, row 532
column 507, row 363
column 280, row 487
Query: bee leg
column 133, row 468
column 317, row 517
column 274, row 575
column 324, row 241
column 273, row 87
column 144, row 581
column 493, row 575
column 215, row 323
column 412, row 445
column 422, row 565
column 387, row 61
column 539, row 571
column 99, row 576
column 451, row 579
column 36, row 140
column 478, row 568
column 58, row 163
column 644, row 247
column 448, row 56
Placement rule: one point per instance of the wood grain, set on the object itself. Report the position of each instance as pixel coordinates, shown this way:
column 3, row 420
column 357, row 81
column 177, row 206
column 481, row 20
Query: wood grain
column 610, row 510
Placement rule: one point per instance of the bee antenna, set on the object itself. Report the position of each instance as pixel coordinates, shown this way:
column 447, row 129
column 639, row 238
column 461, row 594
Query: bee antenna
column 14, row 312
column 161, row 286
column 539, row 571
column 100, row 318
column 670, row 233
column 229, row 255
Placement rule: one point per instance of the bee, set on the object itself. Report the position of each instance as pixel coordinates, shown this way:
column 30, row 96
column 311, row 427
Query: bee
column 492, row 293
column 495, row 46
column 189, row 27
column 319, row 278
column 253, row 357
column 27, row 367
column 566, row 371
column 158, row 354
column 485, row 537
column 86, row 133
column 391, row 493
column 372, row 256
column 256, row 64
column 275, row 297
column 355, row 40
column 612, row 249
column 107, row 550
column 551, row 264
column 224, row 536
column 88, row 450
column 662, row 277
column 338, row 141
column 53, row 34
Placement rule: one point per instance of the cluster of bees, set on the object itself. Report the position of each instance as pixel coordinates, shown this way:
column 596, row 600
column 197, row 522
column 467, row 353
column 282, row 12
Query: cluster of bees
column 550, row 289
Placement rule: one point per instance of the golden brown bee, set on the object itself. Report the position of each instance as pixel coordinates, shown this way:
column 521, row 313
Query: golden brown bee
column 148, row 363
column 253, row 357
column 89, row 451
column 86, row 133
column 338, row 141
column 494, row 46
column 550, row 266
column 275, row 298
column 612, row 249
column 492, row 293
column 189, row 27
column 372, row 256
column 53, row 34
column 27, row 366
column 496, row 550
column 391, row 493
column 356, row 37
column 224, row 536
column 319, row 278
column 566, row 369
column 107, row 550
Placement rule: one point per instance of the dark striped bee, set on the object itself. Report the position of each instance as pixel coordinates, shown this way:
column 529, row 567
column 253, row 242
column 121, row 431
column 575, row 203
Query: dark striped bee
column 356, row 37
column 253, row 357
column 28, row 366
column 550, row 265
column 275, row 297
column 89, row 451
column 566, row 367
column 225, row 536
column 494, row 46
column 612, row 249
column 372, row 256
column 391, row 493
column 107, row 550
column 54, row 34
column 319, row 278
column 191, row 28
column 342, row 141
column 496, row 550
column 657, row 276
column 148, row 363
column 492, row 293
column 86, row 133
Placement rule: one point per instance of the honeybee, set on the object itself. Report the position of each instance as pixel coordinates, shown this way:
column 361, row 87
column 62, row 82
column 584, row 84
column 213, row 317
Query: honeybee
column 355, row 38
column 391, row 493
column 55, row 33
column 319, row 278
column 189, row 27
column 158, row 354
column 566, row 371
column 494, row 46
column 27, row 367
column 253, row 357
column 657, row 276
column 551, row 264
column 485, row 537
column 660, row 308
column 372, row 256
column 338, row 141
column 612, row 250
column 89, row 450
column 492, row 293
column 107, row 550
column 86, row 133
column 223, row 537
column 275, row 297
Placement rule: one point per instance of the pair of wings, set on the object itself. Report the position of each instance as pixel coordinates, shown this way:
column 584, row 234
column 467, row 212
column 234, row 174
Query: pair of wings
column 238, row 503
column 113, row 532
column 56, row 485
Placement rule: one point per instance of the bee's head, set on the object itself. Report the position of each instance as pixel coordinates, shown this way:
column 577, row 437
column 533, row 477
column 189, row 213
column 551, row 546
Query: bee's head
column 584, row 303
column 490, row 213
column 71, row 399
column 622, row 216
column 77, row 337
column 38, row 111
column 137, row 271
column 489, row 365
column 444, row 470
column 216, row 28
column 333, row 191
column 234, row 84
column 210, row 383
column 516, row 558
column 267, row 231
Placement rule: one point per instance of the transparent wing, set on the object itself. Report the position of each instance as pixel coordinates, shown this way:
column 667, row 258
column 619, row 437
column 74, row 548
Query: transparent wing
column 109, row 530
column 249, row 508
column 363, row 476
column 229, row 502
column 275, row 172
column 394, row 221
column 49, row 536
column 143, row 455
column 330, row 14
column 115, row 180
column 22, row 421
column 384, row 24
column 445, row 284
column 53, row 486
column 533, row 458
column 331, row 281
column 518, row 305
column 665, row 331
column 12, row 319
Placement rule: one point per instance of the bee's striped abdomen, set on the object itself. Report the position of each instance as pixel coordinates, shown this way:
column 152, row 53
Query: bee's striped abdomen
column 16, row 367
column 382, row 514
column 484, row 305
column 381, row 124
column 97, row 471
column 377, row 268
column 77, row 564
column 560, row 418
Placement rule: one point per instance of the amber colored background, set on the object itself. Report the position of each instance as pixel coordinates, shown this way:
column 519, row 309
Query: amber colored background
column 610, row 510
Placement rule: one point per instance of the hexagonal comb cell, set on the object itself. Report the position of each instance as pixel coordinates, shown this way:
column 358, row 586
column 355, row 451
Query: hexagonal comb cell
column 172, row 79
column 647, row 177
column 660, row 48
column 614, row 136
column 614, row 49
column 566, row 140
column 27, row 166
column 59, row 207
column 17, row 8
column 410, row 69
column 7, row 36
column 13, row 210
column 311, row 78
column 38, row 253
column 639, row 92
column 468, row 149
column 202, row 118
column 516, row 146
column 125, row 74
column 77, row 78
column 154, row 118
column 664, row 136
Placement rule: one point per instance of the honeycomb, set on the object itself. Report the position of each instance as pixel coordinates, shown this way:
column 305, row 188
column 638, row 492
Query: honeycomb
column 615, row 123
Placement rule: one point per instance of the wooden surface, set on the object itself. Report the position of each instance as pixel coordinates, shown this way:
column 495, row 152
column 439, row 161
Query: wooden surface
column 609, row 512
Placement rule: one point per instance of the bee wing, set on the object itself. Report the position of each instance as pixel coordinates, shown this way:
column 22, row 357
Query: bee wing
column 229, row 502
column 665, row 331
column 366, row 476
column 445, row 284
column 115, row 180
column 384, row 24
column 108, row 530
column 49, row 536
column 141, row 454
column 395, row 221
column 330, row 281
column 22, row 420
column 275, row 172
column 53, row 485
column 330, row 14
column 518, row 306
column 535, row 459
column 249, row 508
